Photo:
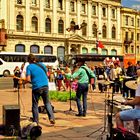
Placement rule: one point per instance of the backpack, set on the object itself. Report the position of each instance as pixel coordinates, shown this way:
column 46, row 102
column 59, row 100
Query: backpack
column 121, row 133
column 89, row 73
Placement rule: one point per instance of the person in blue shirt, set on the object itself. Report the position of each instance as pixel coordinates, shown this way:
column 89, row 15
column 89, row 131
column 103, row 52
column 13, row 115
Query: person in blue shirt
column 36, row 73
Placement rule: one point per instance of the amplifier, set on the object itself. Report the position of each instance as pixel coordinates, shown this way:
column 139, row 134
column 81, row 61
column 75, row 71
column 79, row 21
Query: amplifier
column 11, row 119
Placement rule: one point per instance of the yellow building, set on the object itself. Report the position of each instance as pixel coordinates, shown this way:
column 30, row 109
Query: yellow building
column 130, row 30
column 39, row 26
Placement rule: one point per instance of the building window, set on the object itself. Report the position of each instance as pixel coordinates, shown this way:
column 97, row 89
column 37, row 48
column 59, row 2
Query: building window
column 72, row 25
column 126, row 48
column 60, row 52
column 72, row 6
column 126, row 20
column 84, row 28
column 126, row 35
column 104, row 31
column 94, row 29
column 138, row 50
column 132, row 49
column 34, row 24
column 138, row 36
column 113, row 13
column 93, row 10
column 104, row 12
column 132, row 21
column 132, row 35
column 83, row 8
column 104, row 52
column 60, row 4
column 20, row 48
column 94, row 51
column 60, row 26
column 19, row 1
column 138, row 22
column 113, row 52
column 48, row 25
column 47, row 3
column 84, row 50
column 113, row 32
column 48, row 49
column 19, row 21
column 34, row 49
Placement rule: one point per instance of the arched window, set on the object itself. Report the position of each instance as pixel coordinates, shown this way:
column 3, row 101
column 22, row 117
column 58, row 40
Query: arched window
column 113, row 32
column 61, row 52
column 60, row 26
column 48, row 49
column 48, row 25
column 34, row 49
column 34, row 24
column 84, row 50
column 84, row 28
column 72, row 24
column 104, row 52
column 19, row 21
column 104, row 31
column 20, row 48
column 94, row 30
column 94, row 51
column 113, row 52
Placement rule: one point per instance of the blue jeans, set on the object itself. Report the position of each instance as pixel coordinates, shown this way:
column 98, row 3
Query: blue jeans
column 43, row 92
column 82, row 91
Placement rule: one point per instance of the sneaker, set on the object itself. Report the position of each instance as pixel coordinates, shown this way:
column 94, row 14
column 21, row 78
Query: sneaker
column 52, row 121
column 78, row 115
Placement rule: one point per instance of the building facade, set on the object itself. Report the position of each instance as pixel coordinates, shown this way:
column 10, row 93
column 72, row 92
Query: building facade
column 130, row 30
column 42, row 26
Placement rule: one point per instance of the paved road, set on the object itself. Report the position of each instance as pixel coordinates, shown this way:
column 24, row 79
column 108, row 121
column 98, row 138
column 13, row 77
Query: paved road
column 6, row 83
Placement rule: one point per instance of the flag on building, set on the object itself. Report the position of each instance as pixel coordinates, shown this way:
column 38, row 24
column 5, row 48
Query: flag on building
column 99, row 44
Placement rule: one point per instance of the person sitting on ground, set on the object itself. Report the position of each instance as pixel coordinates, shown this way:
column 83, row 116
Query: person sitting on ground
column 132, row 114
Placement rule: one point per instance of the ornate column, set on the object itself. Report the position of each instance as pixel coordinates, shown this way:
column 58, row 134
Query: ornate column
column 4, row 12
column 109, row 27
column 100, row 17
column 54, row 19
column 41, row 17
column 89, row 24
column 12, row 16
column 118, row 28
column 67, row 18
column 78, row 11
column 27, row 17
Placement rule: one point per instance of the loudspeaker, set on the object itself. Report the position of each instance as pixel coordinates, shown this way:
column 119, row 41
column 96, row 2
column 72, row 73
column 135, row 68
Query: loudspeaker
column 11, row 119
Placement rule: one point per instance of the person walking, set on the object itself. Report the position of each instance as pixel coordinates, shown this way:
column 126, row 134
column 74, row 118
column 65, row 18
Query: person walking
column 36, row 73
column 82, row 90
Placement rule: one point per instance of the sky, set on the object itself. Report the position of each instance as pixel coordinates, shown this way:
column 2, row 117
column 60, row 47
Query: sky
column 131, row 3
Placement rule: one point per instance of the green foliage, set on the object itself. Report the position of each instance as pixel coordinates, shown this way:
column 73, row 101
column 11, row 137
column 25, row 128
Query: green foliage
column 62, row 96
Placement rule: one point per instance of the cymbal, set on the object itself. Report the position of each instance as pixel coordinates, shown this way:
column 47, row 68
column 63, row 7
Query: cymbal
column 105, row 82
column 132, row 84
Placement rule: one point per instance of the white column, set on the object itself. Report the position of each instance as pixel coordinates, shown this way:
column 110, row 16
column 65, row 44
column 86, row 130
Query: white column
column 41, row 16
column 109, row 27
column 78, row 12
column 12, row 16
column 27, row 17
column 100, row 17
column 89, row 24
column 67, row 18
column 118, row 31
column 54, row 19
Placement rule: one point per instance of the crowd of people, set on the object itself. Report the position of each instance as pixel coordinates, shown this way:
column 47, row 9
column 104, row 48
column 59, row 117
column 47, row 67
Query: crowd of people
column 77, row 79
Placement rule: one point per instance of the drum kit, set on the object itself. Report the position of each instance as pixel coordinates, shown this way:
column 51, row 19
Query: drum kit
column 115, row 103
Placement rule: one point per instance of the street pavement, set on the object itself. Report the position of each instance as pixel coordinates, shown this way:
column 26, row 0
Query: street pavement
column 68, row 126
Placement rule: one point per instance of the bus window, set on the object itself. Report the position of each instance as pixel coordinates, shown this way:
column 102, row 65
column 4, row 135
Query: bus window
column 1, row 62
